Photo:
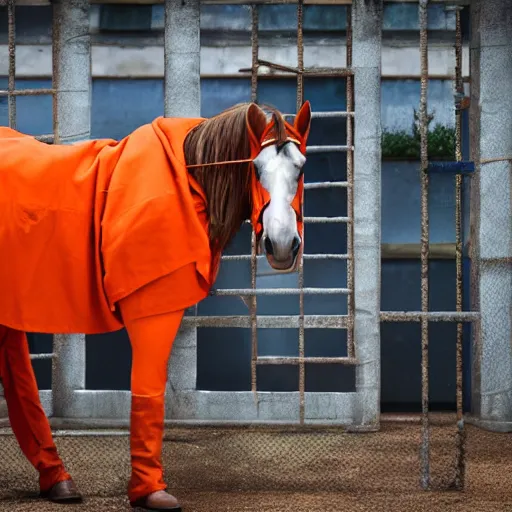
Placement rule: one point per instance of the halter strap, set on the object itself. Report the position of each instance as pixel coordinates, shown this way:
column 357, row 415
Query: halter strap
column 245, row 160
column 273, row 141
column 221, row 163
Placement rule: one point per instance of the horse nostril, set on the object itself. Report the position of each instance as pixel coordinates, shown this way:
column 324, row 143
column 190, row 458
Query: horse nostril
column 295, row 245
column 268, row 246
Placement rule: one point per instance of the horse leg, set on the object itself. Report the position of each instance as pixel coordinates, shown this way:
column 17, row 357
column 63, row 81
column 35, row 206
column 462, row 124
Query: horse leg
column 28, row 420
column 151, row 339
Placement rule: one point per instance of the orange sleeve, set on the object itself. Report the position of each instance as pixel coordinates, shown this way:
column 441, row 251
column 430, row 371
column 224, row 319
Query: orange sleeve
column 176, row 291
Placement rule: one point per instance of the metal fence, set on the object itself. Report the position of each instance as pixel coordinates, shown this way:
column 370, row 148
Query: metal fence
column 360, row 410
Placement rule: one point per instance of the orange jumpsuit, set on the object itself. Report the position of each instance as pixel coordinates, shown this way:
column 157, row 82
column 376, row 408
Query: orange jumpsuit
column 94, row 237
column 27, row 418
column 98, row 236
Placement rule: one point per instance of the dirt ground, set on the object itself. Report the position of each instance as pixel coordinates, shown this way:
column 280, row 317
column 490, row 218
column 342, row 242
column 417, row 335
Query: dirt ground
column 249, row 469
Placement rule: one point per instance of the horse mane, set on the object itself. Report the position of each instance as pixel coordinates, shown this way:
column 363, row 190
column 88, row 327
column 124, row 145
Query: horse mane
column 227, row 187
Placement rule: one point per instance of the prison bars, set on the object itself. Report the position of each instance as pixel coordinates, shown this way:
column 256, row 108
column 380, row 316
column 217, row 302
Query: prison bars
column 459, row 89
column 12, row 93
column 425, row 441
column 234, row 2
column 458, row 316
column 386, row 316
column 253, row 293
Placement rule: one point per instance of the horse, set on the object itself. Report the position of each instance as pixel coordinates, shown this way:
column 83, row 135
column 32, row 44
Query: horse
column 128, row 234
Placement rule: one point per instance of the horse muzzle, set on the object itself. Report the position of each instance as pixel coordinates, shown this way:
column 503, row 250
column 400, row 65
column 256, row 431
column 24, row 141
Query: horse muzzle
column 279, row 259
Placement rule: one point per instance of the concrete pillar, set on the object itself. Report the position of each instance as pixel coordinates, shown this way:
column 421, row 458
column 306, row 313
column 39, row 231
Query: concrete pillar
column 491, row 214
column 367, row 41
column 72, row 79
column 182, row 98
column 182, row 95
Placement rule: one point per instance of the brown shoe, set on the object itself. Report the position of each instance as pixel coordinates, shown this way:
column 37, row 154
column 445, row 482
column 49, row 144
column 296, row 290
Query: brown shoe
column 63, row 492
column 159, row 501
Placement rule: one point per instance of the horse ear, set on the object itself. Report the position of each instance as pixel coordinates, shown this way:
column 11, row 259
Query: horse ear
column 303, row 120
column 256, row 121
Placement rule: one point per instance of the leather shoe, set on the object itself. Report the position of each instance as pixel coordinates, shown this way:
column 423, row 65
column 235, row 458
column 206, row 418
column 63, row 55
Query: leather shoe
column 159, row 501
column 63, row 492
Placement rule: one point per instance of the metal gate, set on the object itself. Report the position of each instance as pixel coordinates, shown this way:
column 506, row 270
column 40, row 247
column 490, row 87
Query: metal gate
column 358, row 410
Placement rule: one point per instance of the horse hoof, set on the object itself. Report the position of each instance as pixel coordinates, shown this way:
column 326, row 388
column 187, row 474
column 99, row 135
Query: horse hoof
column 159, row 501
column 63, row 492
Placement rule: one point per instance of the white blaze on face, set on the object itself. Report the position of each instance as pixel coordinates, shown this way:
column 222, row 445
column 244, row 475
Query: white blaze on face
column 278, row 174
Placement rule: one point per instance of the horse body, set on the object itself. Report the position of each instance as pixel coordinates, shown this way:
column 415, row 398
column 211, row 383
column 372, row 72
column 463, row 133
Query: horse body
column 86, row 225
column 103, row 235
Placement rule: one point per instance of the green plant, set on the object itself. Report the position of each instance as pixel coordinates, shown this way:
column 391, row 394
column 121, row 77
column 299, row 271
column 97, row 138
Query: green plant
column 401, row 144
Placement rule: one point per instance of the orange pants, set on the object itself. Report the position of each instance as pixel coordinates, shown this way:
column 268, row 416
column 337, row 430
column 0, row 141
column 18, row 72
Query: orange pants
column 151, row 338
column 28, row 420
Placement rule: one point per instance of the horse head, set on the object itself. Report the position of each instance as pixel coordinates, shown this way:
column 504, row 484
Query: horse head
column 277, row 183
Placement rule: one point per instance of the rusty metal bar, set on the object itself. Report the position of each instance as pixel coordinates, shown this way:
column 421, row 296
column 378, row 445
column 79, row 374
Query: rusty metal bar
column 27, row 92
column 425, row 434
column 325, row 114
column 11, row 84
column 327, row 184
column 328, row 149
column 48, row 138
column 338, row 113
column 250, row 292
column 459, row 88
column 270, row 321
column 49, row 355
column 274, row 360
column 276, row 66
column 320, row 321
column 338, row 72
column 326, row 220
column 231, row 2
column 247, row 257
column 320, row 71
column 300, row 101
column 430, row 316
column 350, row 192
column 254, row 263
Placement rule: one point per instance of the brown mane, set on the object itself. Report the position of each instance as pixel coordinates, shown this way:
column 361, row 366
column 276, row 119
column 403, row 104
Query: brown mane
column 227, row 187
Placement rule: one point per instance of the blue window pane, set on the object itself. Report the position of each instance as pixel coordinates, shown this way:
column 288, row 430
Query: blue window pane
column 32, row 23
column 217, row 94
column 277, row 17
column 325, row 18
column 316, row 17
column 125, row 17
column 34, row 114
column 213, row 17
column 398, row 16
column 121, row 106
column 279, row 93
column 401, row 97
column 226, row 17
column 400, row 179
column 401, row 204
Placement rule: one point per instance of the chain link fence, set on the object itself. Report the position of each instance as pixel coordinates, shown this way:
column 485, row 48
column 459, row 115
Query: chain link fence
column 283, row 468
column 298, row 468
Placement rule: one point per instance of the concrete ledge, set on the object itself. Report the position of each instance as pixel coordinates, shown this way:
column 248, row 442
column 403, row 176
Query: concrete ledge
column 217, row 407
column 492, row 426
column 148, row 62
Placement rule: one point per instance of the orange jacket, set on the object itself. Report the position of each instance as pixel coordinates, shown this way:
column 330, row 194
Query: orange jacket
column 83, row 226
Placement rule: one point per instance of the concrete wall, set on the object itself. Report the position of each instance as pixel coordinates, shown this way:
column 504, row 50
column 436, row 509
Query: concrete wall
column 400, row 224
column 491, row 65
column 223, row 354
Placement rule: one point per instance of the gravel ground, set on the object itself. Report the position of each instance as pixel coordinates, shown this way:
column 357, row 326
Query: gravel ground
column 281, row 470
